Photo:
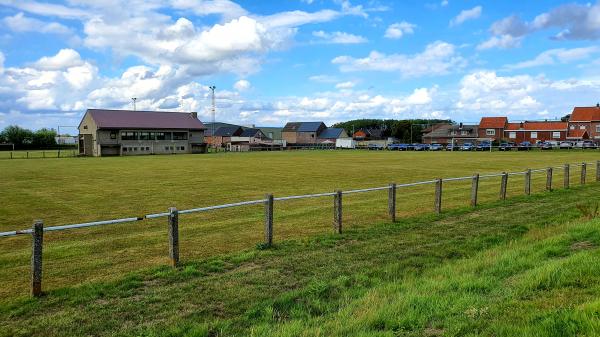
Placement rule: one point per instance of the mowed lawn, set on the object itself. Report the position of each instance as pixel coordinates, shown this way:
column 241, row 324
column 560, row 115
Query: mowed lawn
column 72, row 190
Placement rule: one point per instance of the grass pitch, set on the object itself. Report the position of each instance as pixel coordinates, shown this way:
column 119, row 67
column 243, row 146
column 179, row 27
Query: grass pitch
column 63, row 191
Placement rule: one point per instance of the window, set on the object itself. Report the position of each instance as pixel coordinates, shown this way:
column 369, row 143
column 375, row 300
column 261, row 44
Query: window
column 464, row 133
column 163, row 136
column 124, row 149
column 113, row 135
column 533, row 134
column 144, row 135
column 490, row 132
column 582, row 127
column 512, row 135
column 572, row 127
column 135, row 149
column 147, row 148
column 183, row 148
column 598, row 128
column 555, row 134
column 180, row 135
column 129, row 135
column 152, row 135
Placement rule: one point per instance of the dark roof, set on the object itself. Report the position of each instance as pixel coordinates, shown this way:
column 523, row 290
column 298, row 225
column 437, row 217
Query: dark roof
column 274, row 131
column 303, row 126
column 252, row 132
column 440, row 131
column 216, row 125
column 129, row 119
column 331, row 133
column 228, row 131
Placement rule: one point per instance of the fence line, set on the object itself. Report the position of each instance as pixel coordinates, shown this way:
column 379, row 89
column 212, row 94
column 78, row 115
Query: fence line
column 173, row 214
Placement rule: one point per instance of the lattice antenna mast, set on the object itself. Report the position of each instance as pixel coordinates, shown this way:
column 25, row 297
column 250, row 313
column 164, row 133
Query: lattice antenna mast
column 213, row 111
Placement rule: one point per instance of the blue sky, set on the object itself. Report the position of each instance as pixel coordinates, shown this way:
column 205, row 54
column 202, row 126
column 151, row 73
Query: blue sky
column 298, row 60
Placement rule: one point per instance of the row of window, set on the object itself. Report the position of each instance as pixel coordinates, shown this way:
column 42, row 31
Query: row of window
column 146, row 135
column 583, row 127
column 147, row 148
column 533, row 135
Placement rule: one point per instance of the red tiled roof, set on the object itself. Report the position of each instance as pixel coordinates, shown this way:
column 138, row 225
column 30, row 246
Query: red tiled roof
column 585, row 114
column 576, row 133
column 128, row 119
column 538, row 126
column 493, row 122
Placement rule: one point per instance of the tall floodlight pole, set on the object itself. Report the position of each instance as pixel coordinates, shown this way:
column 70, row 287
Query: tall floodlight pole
column 134, row 99
column 213, row 113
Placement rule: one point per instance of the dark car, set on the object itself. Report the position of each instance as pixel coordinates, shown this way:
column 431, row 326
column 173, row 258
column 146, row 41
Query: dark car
column 375, row 147
column 436, row 147
column 467, row 147
column 393, row 147
column 524, row 146
column 545, row 146
column 483, row 146
column 507, row 146
column 403, row 147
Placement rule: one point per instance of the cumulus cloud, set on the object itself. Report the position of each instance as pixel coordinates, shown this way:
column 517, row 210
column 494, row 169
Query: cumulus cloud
column 399, row 29
column 21, row 23
column 466, row 15
column 242, row 85
column 438, row 58
column 339, row 37
column 555, row 56
column 345, row 85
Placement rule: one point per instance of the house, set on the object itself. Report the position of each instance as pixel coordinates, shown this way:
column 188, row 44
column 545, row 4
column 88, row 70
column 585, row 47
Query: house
column 125, row 132
column 585, row 119
column 452, row 134
column 302, row 132
column 368, row 134
column 536, row 131
column 251, row 138
column 213, row 127
column 492, row 128
column 223, row 135
column 331, row 135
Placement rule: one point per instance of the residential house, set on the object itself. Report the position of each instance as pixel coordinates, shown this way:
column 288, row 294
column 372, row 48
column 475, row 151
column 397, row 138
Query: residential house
column 302, row 132
column 125, row 132
column 452, row 134
column 223, row 135
column 584, row 123
column 251, row 139
column 536, row 131
column 331, row 135
column 492, row 128
column 368, row 134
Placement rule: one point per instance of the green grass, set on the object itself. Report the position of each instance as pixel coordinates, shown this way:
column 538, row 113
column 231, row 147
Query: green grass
column 63, row 191
column 524, row 267
column 38, row 154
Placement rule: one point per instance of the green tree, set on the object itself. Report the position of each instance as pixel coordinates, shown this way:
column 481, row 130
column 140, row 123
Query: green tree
column 44, row 138
column 17, row 135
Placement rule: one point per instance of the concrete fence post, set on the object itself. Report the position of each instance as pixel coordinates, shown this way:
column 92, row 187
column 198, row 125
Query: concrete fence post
column 583, row 173
column 503, row 184
column 43, row 154
column 549, row 179
column 27, row 154
column 337, row 212
column 11, row 155
column 567, row 176
column 474, row 189
column 269, row 220
column 597, row 170
column 438, row 196
column 36, row 258
column 528, row 182
column 173, row 221
column 392, row 202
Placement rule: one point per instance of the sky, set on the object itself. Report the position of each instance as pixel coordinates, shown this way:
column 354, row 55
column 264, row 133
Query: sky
column 297, row 60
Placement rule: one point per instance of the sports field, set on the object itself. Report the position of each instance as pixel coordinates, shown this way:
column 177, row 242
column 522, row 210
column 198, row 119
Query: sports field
column 72, row 190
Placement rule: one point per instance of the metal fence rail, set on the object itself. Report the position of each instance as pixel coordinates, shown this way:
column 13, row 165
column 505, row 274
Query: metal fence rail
column 38, row 229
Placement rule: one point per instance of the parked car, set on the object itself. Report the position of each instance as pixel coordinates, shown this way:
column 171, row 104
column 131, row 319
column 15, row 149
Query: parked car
column 393, row 147
column 421, row 147
column 588, row 144
column 467, row 147
column 436, row 147
column 507, row 146
column 483, row 146
column 524, row 146
column 565, row 145
column 545, row 146
column 451, row 147
column 403, row 147
column 375, row 147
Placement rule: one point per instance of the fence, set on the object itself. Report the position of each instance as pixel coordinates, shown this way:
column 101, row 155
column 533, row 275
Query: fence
column 172, row 215
column 37, row 154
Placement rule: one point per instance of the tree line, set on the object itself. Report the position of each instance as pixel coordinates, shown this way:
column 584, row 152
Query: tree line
column 23, row 138
column 405, row 130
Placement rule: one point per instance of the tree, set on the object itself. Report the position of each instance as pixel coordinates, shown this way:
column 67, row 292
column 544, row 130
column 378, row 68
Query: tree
column 399, row 129
column 44, row 138
column 17, row 135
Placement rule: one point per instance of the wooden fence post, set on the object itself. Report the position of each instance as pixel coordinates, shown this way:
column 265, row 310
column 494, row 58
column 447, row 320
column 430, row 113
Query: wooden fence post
column 528, row 182
column 392, row 202
column 27, row 154
column 43, row 154
column 36, row 258
column 173, row 221
column 438, row 196
column 567, row 175
column 583, row 173
column 337, row 212
column 597, row 170
column 11, row 155
column 503, row 184
column 474, row 189
column 549, row 179
column 269, row 220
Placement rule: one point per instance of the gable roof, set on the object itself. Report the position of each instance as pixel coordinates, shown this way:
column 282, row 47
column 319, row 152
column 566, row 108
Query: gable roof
column 577, row 133
column 303, row 126
column 253, row 132
column 216, row 125
column 585, row 114
column 537, row 126
column 332, row 133
column 129, row 119
column 493, row 122
column 442, row 130
column 228, row 131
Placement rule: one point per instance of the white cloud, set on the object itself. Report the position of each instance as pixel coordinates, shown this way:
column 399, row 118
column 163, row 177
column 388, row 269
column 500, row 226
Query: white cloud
column 501, row 41
column 20, row 23
column 339, row 37
column 242, row 85
column 46, row 9
column 345, row 85
column 438, row 58
column 465, row 15
column 554, row 56
column 399, row 29
column 65, row 58
column 228, row 9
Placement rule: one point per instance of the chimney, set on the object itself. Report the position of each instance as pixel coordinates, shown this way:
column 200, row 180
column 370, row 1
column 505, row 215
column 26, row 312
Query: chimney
column 460, row 125
column 521, row 125
column 194, row 114
column 597, row 105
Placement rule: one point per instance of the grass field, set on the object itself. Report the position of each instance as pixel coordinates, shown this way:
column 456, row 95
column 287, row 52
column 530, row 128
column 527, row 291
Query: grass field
column 38, row 154
column 528, row 266
column 63, row 191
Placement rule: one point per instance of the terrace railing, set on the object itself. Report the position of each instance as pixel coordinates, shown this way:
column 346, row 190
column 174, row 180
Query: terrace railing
column 172, row 215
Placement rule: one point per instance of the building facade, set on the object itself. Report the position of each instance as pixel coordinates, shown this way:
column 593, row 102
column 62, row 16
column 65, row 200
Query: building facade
column 492, row 128
column 127, row 132
column 584, row 123
column 535, row 132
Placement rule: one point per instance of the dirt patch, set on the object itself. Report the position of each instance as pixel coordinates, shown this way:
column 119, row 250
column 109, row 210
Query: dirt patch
column 581, row 245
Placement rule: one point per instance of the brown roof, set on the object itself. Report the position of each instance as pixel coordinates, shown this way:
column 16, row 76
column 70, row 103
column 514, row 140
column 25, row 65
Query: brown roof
column 585, row 114
column 537, row 126
column 493, row 122
column 129, row 119
column 576, row 133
